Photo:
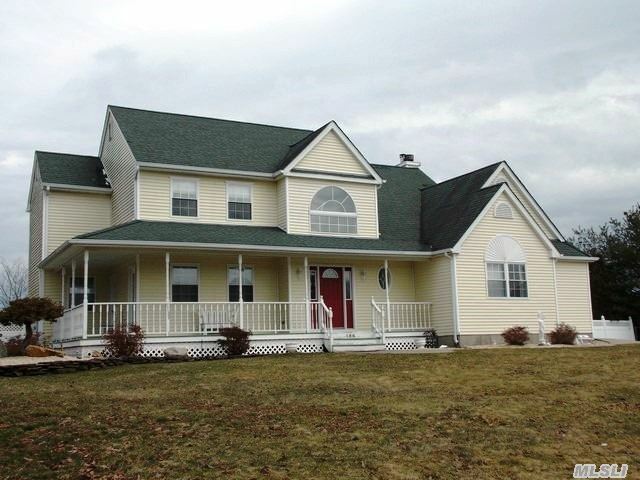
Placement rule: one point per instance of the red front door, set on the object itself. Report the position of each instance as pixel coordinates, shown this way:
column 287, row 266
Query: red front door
column 331, row 289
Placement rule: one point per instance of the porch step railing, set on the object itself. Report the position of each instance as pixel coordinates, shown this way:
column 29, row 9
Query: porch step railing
column 377, row 320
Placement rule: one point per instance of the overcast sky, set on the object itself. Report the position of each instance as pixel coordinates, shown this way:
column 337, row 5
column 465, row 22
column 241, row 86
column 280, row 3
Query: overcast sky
column 551, row 87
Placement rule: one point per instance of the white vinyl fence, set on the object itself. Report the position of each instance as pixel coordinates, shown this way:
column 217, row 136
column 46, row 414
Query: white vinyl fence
column 10, row 331
column 613, row 329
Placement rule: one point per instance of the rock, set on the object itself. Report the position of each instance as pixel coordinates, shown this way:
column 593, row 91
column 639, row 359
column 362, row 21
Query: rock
column 96, row 354
column 38, row 351
column 176, row 353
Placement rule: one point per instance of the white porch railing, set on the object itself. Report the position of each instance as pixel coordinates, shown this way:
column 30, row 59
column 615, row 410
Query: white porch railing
column 69, row 326
column 325, row 322
column 406, row 315
column 168, row 319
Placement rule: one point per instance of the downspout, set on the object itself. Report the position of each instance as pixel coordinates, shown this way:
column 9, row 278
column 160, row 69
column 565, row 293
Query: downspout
column 454, row 298
column 555, row 290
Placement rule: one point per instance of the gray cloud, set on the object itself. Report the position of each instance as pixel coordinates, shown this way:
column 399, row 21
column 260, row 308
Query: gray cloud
column 551, row 87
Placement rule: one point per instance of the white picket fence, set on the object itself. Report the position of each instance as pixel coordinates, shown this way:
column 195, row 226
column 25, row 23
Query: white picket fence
column 613, row 329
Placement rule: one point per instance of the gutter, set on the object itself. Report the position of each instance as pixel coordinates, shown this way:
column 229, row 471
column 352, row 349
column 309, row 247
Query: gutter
column 233, row 247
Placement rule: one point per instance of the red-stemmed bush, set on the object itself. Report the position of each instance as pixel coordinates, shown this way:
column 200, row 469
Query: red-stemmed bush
column 235, row 341
column 124, row 342
column 516, row 335
column 563, row 334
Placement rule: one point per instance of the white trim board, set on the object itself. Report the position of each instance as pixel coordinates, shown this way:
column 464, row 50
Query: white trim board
column 505, row 169
column 332, row 126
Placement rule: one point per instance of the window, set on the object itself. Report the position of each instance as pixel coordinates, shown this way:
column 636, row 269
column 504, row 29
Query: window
column 384, row 278
column 184, row 284
column 506, row 269
column 239, row 201
column 313, row 284
column 333, row 211
column 184, row 197
column 347, row 284
column 233, row 281
column 78, row 292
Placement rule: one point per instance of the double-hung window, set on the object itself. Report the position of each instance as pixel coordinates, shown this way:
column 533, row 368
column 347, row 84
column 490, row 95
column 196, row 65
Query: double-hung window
column 507, row 280
column 506, row 268
column 184, row 284
column 239, row 201
column 184, row 197
column 233, row 281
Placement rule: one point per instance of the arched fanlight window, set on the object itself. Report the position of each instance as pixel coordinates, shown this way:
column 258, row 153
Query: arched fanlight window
column 506, row 268
column 333, row 211
column 330, row 273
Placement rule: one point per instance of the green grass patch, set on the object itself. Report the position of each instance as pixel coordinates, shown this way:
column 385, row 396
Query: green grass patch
column 498, row 413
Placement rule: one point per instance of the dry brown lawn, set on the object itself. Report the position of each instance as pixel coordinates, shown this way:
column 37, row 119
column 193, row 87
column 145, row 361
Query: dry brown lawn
column 501, row 413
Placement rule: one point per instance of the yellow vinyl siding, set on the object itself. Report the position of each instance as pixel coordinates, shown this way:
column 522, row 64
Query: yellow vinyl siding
column 433, row 284
column 302, row 190
column 121, row 167
column 520, row 195
column 281, row 199
column 155, row 200
column 35, row 235
column 331, row 155
column 574, row 301
column 480, row 314
column 212, row 269
column 74, row 213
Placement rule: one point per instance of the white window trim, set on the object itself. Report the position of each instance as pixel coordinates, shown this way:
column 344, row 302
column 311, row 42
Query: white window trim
column 189, row 265
column 244, row 265
column 337, row 214
column 226, row 203
column 188, row 179
column 505, row 269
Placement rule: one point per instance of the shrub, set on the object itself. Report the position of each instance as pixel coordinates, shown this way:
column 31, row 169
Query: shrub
column 563, row 335
column 516, row 335
column 124, row 342
column 27, row 311
column 235, row 341
column 15, row 346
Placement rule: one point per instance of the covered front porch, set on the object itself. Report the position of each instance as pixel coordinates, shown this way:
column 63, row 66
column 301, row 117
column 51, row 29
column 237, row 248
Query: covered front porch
column 180, row 296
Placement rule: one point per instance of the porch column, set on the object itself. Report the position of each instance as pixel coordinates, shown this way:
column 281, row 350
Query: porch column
column 167, row 298
column 85, row 297
column 306, row 293
column 62, row 272
column 240, row 299
column 73, row 283
column 386, row 292
column 137, row 298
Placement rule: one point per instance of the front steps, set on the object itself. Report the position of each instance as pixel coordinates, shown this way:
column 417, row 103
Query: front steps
column 355, row 341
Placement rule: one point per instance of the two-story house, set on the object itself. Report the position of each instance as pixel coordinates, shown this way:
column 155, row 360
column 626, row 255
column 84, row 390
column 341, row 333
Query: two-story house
column 184, row 224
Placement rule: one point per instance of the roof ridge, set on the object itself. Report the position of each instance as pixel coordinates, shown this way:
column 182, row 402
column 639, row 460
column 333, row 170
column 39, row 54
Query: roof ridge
column 464, row 175
column 65, row 153
column 210, row 118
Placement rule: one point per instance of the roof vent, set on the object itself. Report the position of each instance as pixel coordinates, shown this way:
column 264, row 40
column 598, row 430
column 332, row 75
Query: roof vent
column 406, row 161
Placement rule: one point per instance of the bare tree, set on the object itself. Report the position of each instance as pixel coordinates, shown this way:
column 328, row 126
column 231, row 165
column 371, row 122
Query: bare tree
column 13, row 280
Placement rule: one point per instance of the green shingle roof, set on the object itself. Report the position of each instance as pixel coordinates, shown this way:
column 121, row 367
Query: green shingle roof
column 450, row 207
column 178, row 232
column 186, row 140
column 568, row 249
column 67, row 169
